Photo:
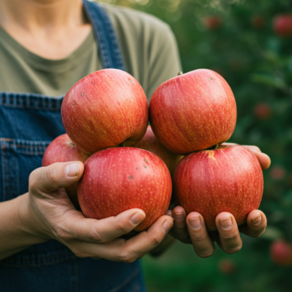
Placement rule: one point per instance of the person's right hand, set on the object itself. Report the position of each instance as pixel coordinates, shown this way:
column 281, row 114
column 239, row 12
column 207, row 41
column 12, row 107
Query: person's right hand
column 49, row 214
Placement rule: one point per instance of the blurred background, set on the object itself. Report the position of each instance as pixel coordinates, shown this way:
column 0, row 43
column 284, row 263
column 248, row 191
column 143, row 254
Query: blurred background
column 250, row 44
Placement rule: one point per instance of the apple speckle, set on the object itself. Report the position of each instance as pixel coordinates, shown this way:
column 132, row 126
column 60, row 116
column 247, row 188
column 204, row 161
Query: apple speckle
column 130, row 177
column 82, row 93
column 144, row 166
column 145, row 160
column 211, row 155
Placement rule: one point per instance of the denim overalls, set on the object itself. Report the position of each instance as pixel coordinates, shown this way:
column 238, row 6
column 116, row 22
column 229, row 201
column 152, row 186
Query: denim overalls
column 28, row 122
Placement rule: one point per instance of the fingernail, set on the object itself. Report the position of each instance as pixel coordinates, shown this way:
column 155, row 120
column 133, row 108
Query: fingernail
column 169, row 213
column 179, row 216
column 226, row 223
column 257, row 220
column 137, row 218
column 72, row 169
column 195, row 223
column 167, row 225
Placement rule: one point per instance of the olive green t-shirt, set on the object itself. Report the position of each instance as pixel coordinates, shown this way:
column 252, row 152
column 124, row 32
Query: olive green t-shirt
column 148, row 48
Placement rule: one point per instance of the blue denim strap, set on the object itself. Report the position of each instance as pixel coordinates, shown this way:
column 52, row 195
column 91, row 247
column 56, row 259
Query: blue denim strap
column 110, row 52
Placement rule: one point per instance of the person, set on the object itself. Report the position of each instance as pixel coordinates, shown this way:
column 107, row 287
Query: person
column 46, row 244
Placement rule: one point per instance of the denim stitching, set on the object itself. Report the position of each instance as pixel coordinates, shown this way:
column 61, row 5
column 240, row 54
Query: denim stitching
column 3, row 169
column 115, row 45
column 95, row 23
column 110, row 52
column 43, row 259
column 34, row 101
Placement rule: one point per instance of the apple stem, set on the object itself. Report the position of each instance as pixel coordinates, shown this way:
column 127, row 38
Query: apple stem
column 180, row 73
column 217, row 146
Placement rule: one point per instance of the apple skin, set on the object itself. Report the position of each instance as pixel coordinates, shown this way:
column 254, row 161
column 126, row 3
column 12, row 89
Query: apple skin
column 258, row 21
column 282, row 25
column 150, row 143
column 281, row 252
column 105, row 109
column 193, row 111
column 226, row 266
column 212, row 22
column 229, row 179
column 262, row 111
column 277, row 172
column 62, row 149
column 122, row 178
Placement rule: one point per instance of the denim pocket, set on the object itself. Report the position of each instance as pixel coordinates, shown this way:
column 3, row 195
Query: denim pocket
column 18, row 159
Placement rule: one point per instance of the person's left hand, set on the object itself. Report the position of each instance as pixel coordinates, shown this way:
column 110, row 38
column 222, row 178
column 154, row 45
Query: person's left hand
column 191, row 229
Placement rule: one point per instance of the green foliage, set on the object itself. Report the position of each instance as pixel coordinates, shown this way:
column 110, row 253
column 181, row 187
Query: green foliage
column 257, row 63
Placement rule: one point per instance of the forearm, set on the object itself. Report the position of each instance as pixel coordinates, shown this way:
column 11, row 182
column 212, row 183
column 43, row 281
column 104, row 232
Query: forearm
column 14, row 235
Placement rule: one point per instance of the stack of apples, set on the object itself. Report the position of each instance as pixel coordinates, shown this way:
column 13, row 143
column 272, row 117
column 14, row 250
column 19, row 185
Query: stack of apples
column 127, row 165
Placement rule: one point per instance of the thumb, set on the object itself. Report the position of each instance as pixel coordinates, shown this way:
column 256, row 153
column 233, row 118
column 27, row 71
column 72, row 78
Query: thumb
column 55, row 176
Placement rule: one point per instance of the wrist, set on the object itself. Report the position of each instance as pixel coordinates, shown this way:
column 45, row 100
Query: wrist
column 28, row 221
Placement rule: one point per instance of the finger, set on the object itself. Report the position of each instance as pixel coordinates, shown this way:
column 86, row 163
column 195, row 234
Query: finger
column 256, row 224
column 180, row 230
column 228, row 231
column 144, row 242
column 169, row 213
column 121, row 250
column 55, row 176
column 201, row 241
column 263, row 158
column 105, row 230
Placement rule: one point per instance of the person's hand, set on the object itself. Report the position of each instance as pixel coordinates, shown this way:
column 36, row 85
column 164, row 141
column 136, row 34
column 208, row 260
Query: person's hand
column 191, row 229
column 49, row 214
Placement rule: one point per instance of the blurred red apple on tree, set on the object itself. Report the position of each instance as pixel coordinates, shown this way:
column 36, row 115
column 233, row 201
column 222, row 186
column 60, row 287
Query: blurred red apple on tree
column 193, row 111
column 105, row 109
column 262, row 111
column 150, row 143
column 228, row 179
column 226, row 266
column 258, row 21
column 281, row 252
column 122, row 178
column 282, row 25
column 212, row 22
column 277, row 172
column 62, row 149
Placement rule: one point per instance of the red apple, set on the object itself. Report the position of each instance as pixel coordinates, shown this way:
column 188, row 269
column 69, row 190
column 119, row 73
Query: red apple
column 262, row 111
column 228, row 179
column 193, row 111
column 281, row 252
column 105, row 109
column 150, row 143
column 226, row 266
column 62, row 149
column 118, row 179
column 212, row 22
column 258, row 21
column 277, row 172
column 282, row 25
